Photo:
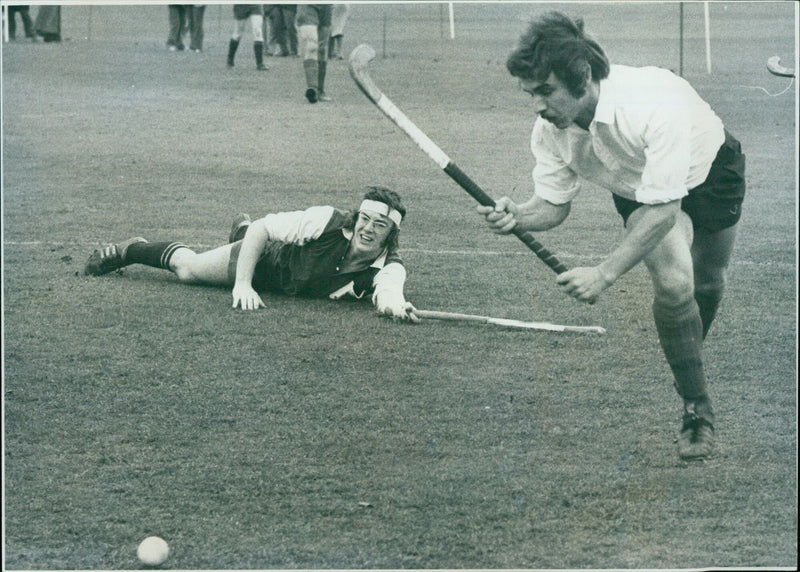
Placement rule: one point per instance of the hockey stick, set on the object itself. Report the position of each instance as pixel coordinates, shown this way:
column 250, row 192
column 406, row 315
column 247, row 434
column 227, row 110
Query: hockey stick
column 506, row 323
column 775, row 68
column 359, row 59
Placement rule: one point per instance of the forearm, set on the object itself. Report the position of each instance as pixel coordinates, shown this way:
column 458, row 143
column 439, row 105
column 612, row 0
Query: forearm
column 252, row 246
column 537, row 214
column 649, row 227
column 390, row 281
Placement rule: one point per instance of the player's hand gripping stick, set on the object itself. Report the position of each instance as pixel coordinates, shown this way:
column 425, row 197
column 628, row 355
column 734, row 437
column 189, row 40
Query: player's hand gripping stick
column 359, row 59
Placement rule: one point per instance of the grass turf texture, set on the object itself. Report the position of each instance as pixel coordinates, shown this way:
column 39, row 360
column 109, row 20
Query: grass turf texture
column 313, row 434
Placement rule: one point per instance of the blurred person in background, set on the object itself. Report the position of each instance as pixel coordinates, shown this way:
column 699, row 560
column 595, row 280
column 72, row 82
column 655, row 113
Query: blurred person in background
column 282, row 39
column 313, row 33
column 195, row 15
column 178, row 25
column 48, row 23
column 27, row 22
column 338, row 21
column 242, row 14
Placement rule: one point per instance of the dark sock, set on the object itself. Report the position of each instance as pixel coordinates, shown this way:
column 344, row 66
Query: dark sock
column 322, row 68
column 258, row 49
column 155, row 254
column 701, row 407
column 233, row 45
column 311, row 68
column 680, row 331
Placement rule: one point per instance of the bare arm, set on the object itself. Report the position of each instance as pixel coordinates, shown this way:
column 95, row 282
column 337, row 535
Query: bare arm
column 297, row 227
column 252, row 246
column 533, row 215
column 648, row 228
column 651, row 226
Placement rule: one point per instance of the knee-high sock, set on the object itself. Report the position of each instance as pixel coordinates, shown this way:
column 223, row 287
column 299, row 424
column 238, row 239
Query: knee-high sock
column 323, row 68
column 233, row 45
column 312, row 73
column 156, row 254
column 680, row 331
column 708, row 300
column 258, row 50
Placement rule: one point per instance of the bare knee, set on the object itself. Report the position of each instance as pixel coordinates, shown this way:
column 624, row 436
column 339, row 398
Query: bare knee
column 183, row 265
column 673, row 288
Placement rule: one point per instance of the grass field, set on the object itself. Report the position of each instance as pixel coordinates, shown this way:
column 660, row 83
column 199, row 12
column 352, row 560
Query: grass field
column 313, row 434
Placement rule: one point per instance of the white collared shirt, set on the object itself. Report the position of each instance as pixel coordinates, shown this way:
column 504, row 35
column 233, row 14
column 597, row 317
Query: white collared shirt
column 651, row 140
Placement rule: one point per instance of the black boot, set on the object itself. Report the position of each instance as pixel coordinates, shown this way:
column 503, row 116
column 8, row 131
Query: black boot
column 232, row 47
column 311, row 68
column 258, row 49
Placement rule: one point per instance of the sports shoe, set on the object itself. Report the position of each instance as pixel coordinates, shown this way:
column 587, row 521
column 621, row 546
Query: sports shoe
column 323, row 96
column 261, row 67
column 696, row 440
column 109, row 258
column 240, row 223
column 311, row 95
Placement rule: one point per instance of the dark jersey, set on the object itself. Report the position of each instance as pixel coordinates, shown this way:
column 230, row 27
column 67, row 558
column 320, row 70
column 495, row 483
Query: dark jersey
column 308, row 264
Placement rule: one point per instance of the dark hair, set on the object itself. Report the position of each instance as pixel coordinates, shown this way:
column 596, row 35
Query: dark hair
column 556, row 43
column 391, row 198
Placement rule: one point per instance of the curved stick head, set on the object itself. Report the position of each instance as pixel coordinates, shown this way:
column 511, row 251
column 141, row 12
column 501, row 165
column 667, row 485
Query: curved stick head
column 361, row 56
column 774, row 66
column 358, row 62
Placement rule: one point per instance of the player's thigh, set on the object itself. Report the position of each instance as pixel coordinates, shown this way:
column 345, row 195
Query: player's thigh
column 711, row 254
column 323, row 37
column 212, row 267
column 308, row 42
column 239, row 28
column 257, row 27
column 670, row 262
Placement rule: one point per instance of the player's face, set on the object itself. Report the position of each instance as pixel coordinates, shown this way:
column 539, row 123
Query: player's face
column 371, row 232
column 554, row 103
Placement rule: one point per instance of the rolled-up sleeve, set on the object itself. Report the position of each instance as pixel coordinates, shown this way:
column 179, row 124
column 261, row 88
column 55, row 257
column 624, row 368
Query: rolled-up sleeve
column 553, row 179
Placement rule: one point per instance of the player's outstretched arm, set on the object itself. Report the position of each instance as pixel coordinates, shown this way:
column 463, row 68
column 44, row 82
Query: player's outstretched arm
column 534, row 215
column 388, row 298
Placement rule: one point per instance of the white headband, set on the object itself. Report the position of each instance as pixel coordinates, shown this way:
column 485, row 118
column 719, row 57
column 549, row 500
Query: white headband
column 381, row 208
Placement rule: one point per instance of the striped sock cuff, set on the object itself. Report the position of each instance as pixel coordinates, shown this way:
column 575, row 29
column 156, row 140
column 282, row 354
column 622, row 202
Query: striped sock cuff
column 169, row 250
column 155, row 254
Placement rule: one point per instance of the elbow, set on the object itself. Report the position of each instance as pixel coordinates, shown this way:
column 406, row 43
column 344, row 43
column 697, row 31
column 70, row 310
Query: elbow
column 558, row 214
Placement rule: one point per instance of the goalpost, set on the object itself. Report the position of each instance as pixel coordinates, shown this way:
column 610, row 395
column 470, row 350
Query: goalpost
column 707, row 34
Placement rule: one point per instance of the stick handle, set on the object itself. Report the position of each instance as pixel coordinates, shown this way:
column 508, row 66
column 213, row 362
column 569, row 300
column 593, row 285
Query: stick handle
column 436, row 315
column 359, row 58
column 530, row 241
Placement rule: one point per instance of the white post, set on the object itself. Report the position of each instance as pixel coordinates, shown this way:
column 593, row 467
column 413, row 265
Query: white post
column 452, row 21
column 5, row 23
column 708, row 38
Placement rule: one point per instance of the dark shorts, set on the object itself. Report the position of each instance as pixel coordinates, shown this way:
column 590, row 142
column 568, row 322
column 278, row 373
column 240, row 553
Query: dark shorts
column 264, row 276
column 314, row 15
column 715, row 204
column 244, row 11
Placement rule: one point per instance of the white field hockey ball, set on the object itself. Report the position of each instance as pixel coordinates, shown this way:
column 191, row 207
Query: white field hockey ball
column 153, row 551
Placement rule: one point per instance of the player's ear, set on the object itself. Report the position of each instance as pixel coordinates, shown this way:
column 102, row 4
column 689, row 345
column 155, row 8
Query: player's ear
column 586, row 73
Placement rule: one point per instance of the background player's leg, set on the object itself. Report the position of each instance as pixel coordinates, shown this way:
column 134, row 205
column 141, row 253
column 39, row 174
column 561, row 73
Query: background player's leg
column 308, row 41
